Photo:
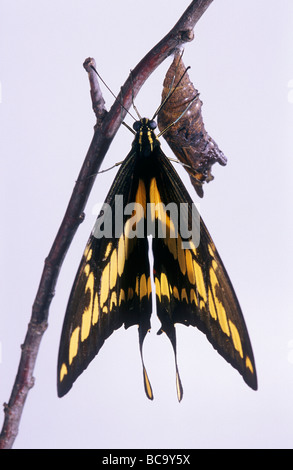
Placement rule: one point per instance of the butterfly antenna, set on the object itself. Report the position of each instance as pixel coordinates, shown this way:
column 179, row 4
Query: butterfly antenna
column 113, row 94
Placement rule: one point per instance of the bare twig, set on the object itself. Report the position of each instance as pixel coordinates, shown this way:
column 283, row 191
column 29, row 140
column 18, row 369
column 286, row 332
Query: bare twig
column 105, row 130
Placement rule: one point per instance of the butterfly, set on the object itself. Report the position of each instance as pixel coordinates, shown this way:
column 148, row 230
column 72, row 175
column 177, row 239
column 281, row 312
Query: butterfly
column 149, row 205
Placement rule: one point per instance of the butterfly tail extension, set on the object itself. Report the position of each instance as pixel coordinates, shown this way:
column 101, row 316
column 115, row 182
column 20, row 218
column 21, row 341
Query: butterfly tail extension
column 142, row 331
column 171, row 333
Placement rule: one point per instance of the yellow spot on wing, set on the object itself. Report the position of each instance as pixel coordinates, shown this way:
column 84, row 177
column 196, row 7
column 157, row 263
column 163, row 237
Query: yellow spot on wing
column 63, row 372
column 193, row 297
column 164, row 285
column 113, row 269
column 176, row 293
column 214, row 265
column 138, row 213
column 211, row 248
column 121, row 255
column 86, row 323
column 184, row 295
column 89, row 253
column 108, row 250
column 96, row 310
column 189, row 267
column 213, row 311
column 104, row 285
column 87, row 269
column 140, row 197
column 136, row 290
column 199, row 281
column 86, row 252
column 222, row 318
column 155, row 200
column 73, row 344
column 249, row 364
column 214, row 282
column 202, row 305
column 158, row 288
column 121, row 296
column 171, row 228
column 87, row 313
column 236, row 338
column 143, row 290
column 113, row 300
column 158, row 211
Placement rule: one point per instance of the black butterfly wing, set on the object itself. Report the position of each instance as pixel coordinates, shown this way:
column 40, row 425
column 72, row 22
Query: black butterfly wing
column 192, row 285
column 111, row 287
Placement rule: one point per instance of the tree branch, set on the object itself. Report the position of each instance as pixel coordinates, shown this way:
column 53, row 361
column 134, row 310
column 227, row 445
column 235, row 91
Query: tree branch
column 105, row 130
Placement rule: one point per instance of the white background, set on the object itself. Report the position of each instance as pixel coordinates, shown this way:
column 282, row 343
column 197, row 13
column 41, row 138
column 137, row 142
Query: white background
column 242, row 63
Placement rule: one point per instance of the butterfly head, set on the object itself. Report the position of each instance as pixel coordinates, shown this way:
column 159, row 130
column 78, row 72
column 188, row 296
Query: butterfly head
column 145, row 139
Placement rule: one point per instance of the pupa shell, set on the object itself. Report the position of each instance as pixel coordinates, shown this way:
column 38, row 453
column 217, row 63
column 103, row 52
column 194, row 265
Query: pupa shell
column 187, row 138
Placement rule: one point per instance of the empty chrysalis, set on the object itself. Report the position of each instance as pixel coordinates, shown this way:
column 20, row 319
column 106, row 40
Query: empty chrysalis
column 187, row 137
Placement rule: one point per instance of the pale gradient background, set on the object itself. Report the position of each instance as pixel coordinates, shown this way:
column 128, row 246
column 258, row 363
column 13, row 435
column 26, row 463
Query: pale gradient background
column 242, row 63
